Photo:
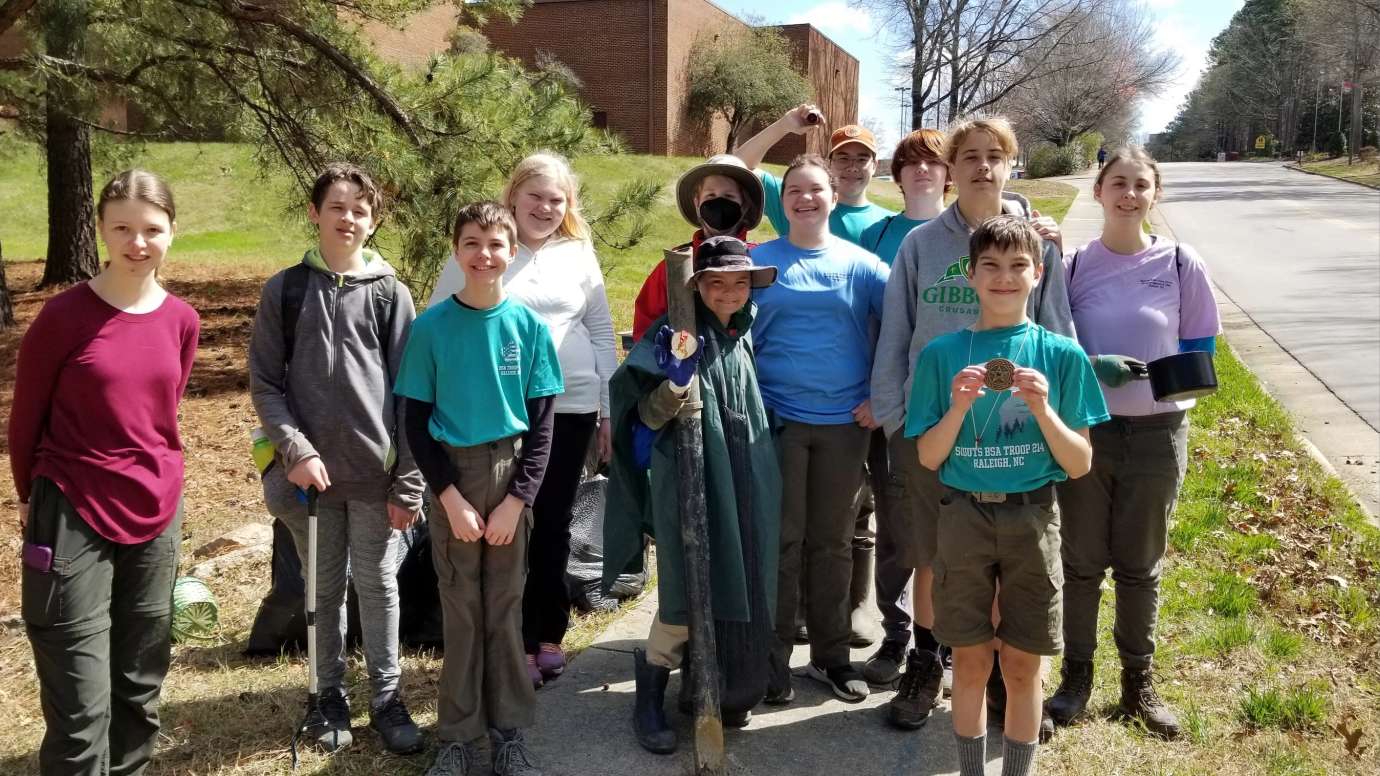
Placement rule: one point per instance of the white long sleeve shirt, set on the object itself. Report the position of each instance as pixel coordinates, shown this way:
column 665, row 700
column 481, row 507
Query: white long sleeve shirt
column 561, row 282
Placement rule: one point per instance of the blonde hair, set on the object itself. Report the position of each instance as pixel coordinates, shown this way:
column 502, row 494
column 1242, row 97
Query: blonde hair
column 996, row 126
column 544, row 164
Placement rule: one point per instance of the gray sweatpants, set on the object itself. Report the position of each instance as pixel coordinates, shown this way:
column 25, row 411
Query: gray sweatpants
column 1117, row 516
column 353, row 536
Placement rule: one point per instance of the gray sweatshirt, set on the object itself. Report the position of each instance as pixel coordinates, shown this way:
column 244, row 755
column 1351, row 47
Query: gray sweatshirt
column 928, row 295
column 336, row 401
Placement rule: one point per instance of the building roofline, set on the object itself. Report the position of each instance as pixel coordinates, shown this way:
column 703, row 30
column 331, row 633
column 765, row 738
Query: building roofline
column 821, row 34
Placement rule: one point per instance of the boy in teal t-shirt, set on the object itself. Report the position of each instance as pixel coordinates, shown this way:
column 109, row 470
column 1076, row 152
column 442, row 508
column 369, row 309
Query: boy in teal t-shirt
column 1002, row 411
column 479, row 374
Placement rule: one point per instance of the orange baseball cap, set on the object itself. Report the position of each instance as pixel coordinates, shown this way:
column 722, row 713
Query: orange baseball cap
column 852, row 133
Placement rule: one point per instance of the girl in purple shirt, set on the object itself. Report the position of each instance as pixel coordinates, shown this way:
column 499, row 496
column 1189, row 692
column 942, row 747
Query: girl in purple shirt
column 1135, row 297
column 97, row 463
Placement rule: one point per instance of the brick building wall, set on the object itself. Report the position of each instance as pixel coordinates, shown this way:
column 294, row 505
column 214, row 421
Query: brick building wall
column 426, row 33
column 689, row 19
column 833, row 75
column 608, row 45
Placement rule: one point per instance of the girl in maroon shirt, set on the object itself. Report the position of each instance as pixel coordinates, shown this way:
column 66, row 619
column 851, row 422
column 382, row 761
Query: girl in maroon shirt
column 97, row 463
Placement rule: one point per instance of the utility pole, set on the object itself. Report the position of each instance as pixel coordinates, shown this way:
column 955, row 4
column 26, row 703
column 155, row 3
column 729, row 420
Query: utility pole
column 1317, row 98
column 905, row 110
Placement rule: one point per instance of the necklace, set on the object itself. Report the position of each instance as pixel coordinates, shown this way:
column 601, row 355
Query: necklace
column 1000, row 375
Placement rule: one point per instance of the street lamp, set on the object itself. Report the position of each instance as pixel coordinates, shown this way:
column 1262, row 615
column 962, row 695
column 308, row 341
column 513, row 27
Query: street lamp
column 905, row 108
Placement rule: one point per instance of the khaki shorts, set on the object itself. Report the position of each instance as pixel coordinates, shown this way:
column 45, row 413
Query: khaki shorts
column 983, row 544
column 917, row 517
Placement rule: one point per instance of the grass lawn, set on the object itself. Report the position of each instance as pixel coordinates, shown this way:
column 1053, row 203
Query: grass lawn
column 1367, row 174
column 1269, row 621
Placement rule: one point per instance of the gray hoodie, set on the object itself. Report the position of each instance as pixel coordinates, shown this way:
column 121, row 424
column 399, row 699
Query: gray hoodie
column 336, row 401
column 928, row 295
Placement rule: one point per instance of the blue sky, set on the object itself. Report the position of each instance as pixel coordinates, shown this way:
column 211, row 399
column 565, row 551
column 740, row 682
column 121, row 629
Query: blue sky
column 1186, row 26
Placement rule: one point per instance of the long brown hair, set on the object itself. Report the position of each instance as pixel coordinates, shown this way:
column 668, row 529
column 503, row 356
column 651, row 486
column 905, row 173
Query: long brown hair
column 809, row 160
column 140, row 185
column 1136, row 155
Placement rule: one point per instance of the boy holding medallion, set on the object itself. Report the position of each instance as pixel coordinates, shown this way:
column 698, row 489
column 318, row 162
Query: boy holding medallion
column 1002, row 410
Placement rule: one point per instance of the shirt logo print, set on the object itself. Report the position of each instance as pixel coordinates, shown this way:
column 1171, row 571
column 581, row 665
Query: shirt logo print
column 956, row 271
column 511, row 356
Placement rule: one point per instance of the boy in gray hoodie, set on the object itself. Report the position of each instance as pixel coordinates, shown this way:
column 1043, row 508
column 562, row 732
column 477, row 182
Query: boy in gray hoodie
column 927, row 295
column 328, row 340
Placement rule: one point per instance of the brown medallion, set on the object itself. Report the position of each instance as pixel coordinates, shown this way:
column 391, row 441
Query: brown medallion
column 1001, row 374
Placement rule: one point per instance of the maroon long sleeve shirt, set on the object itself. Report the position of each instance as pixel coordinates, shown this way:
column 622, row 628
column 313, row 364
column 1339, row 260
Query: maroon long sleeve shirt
column 95, row 410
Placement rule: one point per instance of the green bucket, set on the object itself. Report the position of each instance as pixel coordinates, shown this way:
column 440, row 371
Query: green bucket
column 195, row 615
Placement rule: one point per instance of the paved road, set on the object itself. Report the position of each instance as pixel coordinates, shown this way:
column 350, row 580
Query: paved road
column 1300, row 254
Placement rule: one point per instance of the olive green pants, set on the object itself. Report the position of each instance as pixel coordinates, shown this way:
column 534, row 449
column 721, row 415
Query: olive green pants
column 99, row 623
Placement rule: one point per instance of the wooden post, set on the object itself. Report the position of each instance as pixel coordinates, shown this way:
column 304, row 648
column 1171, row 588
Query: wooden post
column 694, row 534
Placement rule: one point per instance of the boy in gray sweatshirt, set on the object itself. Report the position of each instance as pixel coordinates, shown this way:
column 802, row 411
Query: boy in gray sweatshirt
column 928, row 295
column 322, row 387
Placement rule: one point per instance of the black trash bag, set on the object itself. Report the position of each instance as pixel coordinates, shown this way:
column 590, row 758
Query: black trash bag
column 419, row 618
column 584, row 570
column 281, row 624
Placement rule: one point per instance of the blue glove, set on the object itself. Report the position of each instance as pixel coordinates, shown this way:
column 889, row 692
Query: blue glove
column 642, row 440
column 678, row 371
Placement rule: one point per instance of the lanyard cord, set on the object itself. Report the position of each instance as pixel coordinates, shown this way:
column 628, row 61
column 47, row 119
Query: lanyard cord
column 977, row 435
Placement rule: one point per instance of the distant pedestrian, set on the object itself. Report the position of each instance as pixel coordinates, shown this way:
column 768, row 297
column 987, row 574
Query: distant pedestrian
column 1135, row 297
column 1101, row 156
column 98, row 465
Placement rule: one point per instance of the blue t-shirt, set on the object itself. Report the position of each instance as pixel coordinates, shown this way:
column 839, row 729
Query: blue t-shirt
column 479, row 368
column 884, row 237
column 813, row 331
column 846, row 221
column 1013, row 457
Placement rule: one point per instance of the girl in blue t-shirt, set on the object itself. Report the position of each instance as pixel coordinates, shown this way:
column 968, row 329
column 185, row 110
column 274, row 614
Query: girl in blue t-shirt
column 813, row 338
column 1135, row 297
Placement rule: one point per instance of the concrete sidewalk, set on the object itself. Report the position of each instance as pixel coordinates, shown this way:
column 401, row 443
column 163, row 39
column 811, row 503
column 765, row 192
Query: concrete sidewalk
column 584, row 724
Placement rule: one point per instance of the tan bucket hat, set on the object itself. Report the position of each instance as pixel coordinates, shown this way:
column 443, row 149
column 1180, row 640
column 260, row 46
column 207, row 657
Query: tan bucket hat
column 728, row 166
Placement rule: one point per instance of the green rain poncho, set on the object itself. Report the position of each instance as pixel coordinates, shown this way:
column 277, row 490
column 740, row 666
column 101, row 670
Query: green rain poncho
column 741, row 474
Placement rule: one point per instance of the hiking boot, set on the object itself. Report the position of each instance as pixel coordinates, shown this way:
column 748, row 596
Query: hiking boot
column 649, row 716
column 1075, row 688
column 779, row 689
column 996, row 695
column 453, row 759
column 395, row 726
column 884, row 667
column 846, row 681
column 946, row 656
column 511, row 756
column 328, row 720
column 918, row 692
column 1141, row 703
column 534, row 673
column 550, row 660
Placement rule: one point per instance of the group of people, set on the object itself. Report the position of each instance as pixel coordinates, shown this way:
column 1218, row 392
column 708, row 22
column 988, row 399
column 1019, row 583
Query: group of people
column 898, row 386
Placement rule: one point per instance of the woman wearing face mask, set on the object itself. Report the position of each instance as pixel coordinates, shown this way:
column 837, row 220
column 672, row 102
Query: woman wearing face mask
column 557, row 275
column 719, row 197
column 813, row 338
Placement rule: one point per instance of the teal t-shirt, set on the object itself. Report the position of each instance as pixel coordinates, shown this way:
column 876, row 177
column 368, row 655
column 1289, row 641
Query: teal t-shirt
column 479, row 368
column 884, row 237
column 846, row 221
column 1013, row 456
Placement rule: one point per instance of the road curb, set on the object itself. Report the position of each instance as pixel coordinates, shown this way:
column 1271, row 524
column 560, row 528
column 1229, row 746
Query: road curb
column 1274, row 368
column 1296, row 168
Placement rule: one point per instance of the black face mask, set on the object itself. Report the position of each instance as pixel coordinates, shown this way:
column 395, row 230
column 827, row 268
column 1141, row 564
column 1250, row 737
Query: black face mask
column 720, row 214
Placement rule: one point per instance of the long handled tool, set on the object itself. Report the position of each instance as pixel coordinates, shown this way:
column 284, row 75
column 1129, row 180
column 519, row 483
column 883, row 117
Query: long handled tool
column 313, row 696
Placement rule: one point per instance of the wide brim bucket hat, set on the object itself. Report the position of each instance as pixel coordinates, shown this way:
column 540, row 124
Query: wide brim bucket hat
column 730, row 167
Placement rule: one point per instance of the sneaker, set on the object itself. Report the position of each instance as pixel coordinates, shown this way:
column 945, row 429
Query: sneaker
column 534, row 672
column 550, row 660
column 884, row 667
column 918, row 692
column 1140, row 703
column 453, row 760
column 511, row 756
column 779, row 689
column 846, row 681
column 802, row 634
column 736, row 719
column 395, row 726
column 328, row 720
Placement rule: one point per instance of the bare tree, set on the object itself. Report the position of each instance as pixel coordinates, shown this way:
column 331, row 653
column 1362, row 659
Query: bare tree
column 1094, row 78
column 970, row 54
